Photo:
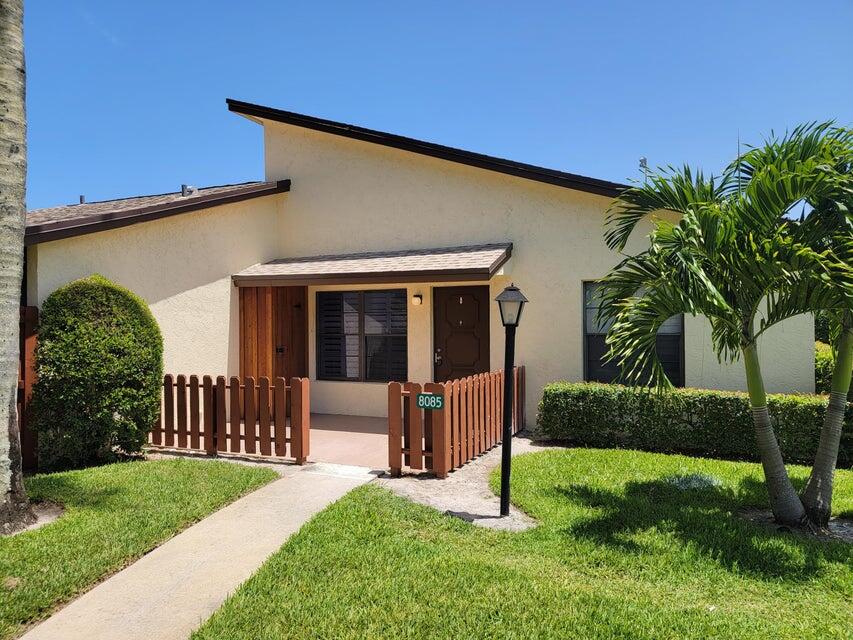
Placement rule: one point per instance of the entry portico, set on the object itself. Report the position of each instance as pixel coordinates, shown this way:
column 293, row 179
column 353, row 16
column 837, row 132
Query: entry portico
column 354, row 322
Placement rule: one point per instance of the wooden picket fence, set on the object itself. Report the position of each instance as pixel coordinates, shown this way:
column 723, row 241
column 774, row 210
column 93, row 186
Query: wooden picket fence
column 229, row 416
column 469, row 424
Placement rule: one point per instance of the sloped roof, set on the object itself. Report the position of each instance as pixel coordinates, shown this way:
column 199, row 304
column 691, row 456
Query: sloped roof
column 474, row 262
column 471, row 158
column 54, row 223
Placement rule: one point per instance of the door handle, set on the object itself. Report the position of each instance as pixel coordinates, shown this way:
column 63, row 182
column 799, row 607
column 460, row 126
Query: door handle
column 279, row 349
column 437, row 357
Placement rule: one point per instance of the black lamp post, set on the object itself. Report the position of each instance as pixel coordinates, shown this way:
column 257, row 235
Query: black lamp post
column 511, row 303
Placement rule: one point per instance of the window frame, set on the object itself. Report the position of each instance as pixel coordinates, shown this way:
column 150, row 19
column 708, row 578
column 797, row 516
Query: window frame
column 362, row 344
column 681, row 382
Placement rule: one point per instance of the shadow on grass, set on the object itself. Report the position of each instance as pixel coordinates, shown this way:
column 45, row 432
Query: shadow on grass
column 706, row 520
column 70, row 490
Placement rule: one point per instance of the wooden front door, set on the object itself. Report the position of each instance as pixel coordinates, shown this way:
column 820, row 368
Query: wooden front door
column 461, row 332
column 290, row 313
column 273, row 332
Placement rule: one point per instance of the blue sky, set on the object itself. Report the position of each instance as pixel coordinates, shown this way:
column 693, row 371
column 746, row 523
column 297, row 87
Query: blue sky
column 128, row 98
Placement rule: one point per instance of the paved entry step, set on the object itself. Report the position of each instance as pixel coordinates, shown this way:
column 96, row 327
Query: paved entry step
column 343, row 470
column 170, row 592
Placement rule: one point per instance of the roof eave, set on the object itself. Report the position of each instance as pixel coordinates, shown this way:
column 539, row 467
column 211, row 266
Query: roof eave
column 36, row 234
column 460, row 156
column 361, row 278
column 470, row 274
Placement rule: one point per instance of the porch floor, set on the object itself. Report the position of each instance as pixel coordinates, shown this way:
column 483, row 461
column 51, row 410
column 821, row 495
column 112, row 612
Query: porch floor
column 343, row 439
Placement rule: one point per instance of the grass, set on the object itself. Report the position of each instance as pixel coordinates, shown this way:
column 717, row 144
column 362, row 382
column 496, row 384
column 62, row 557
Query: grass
column 114, row 514
column 620, row 553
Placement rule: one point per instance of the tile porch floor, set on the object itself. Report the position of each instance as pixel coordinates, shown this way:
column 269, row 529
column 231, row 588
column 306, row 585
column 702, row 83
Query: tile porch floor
column 355, row 440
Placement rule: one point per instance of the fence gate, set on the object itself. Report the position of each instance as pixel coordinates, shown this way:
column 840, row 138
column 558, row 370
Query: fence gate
column 468, row 422
column 264, row 417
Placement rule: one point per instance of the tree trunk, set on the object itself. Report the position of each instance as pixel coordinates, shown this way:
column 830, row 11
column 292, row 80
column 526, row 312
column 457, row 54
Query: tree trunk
column 817, row 497
column 784, row 501
column 14, row 508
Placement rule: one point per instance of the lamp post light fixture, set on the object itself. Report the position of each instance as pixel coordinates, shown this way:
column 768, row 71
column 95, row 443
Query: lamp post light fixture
column 511, row 303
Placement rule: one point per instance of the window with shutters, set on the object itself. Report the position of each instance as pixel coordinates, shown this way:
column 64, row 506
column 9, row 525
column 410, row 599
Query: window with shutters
column 670, row 344
column 361, row 335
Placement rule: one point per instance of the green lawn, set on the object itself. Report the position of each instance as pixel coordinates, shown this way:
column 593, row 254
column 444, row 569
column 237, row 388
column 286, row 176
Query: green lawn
column 114, row 514
column 620, row 553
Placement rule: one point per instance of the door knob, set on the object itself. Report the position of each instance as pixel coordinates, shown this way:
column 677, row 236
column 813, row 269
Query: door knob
column 279, row 349
column 437, row 358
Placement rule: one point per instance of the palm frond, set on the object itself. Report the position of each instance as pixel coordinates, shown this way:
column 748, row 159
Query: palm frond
column 632, row 339
column 672, row 190
column 804, row 142
column 735, row 255
column 811, row 282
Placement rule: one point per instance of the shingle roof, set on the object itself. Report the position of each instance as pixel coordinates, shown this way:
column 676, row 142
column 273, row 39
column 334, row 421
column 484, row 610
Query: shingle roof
column 53, row 223
column 477, row 262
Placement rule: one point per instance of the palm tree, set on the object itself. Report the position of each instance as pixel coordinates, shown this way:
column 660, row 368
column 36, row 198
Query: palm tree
column 829, row 225
column 817, row 496
column 14, row 508
column 733, row 258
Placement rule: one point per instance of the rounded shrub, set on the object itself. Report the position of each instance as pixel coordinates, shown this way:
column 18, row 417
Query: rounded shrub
column 99, row 363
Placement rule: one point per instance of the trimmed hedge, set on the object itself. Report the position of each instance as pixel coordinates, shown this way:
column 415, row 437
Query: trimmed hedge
column 716, row 424
column 99, row 363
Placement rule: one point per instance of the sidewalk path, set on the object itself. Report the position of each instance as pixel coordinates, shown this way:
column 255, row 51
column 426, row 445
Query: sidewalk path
column 171, row 591
column 465, row 493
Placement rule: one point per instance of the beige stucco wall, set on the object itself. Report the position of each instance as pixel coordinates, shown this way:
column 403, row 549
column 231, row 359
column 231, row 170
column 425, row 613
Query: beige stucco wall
column 786, row 352
column 182, row 266
column 349, row 196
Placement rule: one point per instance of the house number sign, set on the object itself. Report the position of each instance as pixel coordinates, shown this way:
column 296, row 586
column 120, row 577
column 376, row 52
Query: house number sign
column 430, row 401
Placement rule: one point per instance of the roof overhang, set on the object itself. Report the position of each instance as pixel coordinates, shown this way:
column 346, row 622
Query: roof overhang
column 491, row 163
column 448, row 264
column 45, row 232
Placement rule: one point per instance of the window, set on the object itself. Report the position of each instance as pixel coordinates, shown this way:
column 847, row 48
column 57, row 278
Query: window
column 670, row 344
column 361, row 335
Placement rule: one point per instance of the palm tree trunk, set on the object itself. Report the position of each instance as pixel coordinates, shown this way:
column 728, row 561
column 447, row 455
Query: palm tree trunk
column 784, row 501
column 817, row 497
column 14, row 508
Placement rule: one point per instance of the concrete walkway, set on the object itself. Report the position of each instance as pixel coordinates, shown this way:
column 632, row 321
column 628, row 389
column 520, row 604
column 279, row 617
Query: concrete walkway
column 465, row 493
column 175, row 588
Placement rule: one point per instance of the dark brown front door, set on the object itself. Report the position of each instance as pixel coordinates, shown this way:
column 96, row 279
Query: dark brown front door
column 273, row 331
column 461, row 326
column 290, row 357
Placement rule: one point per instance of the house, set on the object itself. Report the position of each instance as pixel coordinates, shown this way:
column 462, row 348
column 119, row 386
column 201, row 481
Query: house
column 365, row 257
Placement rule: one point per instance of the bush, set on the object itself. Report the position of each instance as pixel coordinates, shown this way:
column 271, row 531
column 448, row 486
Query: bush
column 823, row 366
column 99, row 363
column 715, row 424
column 821, row 326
